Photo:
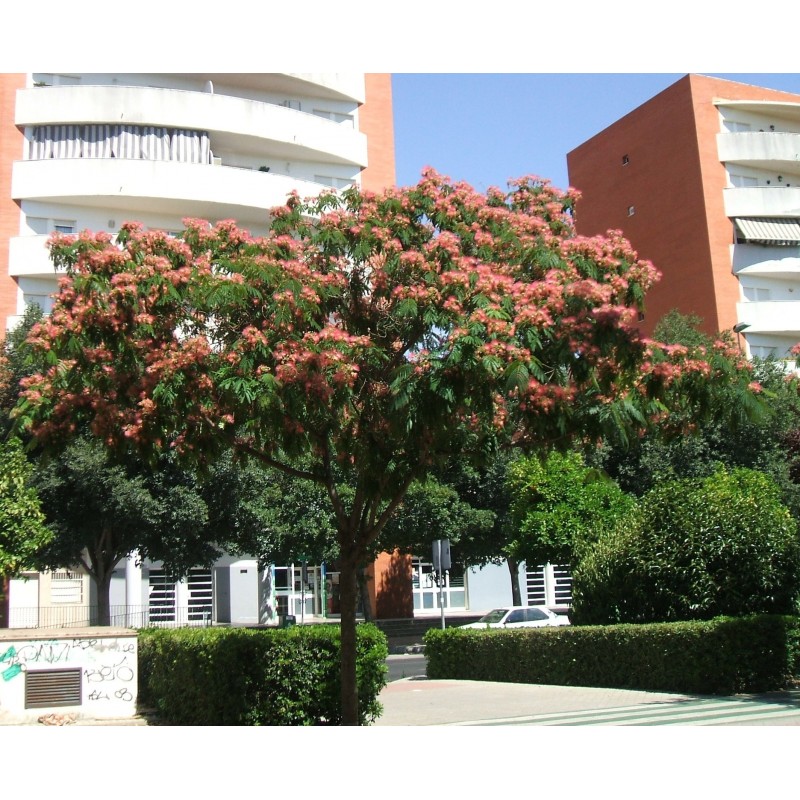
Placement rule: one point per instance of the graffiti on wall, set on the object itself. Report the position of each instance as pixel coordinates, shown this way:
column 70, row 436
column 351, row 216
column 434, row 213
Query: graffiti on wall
column 108, row 665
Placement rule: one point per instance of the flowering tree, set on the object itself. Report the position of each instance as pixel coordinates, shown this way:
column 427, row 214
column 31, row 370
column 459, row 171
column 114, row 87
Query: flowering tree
column 376, row 335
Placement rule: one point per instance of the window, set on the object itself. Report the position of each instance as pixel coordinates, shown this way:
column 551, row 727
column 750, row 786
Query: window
column 334, row 116
column 763, row 352
column 755, row 295
column 625, row 160
column 66, row 587
column 743, row 181
column 534, row 615
column 199, row 585
column 44, row 301
column 161, row 599
column 736, row 127
column 336, row 183
column 631, row 210
column 64, row 226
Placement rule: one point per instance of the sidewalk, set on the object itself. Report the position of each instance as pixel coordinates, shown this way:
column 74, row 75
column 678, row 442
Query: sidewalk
column 419, row 701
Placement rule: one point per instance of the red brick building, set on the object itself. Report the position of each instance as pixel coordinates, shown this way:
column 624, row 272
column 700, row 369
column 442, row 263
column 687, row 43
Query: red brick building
column 704, row 180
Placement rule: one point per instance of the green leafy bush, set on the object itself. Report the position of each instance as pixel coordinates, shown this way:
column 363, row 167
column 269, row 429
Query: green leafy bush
column 237, row 676
column 560, row 507
column 698, row 549
column 722, row 656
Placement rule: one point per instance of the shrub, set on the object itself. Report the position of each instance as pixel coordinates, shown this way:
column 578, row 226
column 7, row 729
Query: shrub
column 722, row 656
column 697, row 549
column 237, row 676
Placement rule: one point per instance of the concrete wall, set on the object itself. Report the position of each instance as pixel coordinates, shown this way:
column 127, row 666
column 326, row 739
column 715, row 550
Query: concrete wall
column 107, row 659
column 490, row 586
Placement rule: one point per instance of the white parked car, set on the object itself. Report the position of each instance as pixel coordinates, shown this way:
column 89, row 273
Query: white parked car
column 519, row 617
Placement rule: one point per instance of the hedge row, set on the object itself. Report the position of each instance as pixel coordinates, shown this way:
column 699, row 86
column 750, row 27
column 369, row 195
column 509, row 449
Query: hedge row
column 720, row 656
column 237, row 676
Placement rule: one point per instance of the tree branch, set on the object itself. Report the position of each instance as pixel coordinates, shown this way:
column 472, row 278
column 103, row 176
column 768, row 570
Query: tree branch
column 245, row 447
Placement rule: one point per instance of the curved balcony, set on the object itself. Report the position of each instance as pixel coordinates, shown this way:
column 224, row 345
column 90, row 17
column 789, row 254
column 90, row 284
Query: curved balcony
column 166, row 187
column 769, row 110
column 28, row 256
column 770, row 262
column 333, row 85
column 775, row 151
column 762, row 201
column 235, row 124
column 771, row 317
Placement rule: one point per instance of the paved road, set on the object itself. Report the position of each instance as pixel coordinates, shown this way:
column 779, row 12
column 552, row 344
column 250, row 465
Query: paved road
column 406, row 666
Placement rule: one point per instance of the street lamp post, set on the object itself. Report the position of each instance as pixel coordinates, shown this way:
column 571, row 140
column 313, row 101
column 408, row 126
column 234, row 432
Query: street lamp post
column 737, row 329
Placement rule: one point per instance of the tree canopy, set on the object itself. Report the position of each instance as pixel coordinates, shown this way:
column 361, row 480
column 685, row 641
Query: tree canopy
column 376, row 334
column 560, row 508
column 23, row 529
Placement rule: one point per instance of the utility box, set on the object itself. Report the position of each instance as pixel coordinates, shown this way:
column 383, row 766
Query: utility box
column 286, row 620
column 89, row 672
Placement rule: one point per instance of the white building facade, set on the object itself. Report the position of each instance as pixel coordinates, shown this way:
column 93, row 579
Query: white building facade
column 91, row 151
column 759, row 144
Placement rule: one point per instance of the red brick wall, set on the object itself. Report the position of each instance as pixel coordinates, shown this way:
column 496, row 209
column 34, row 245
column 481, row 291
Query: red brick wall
column 390, row 575
column 662, row 182
column 389, row 587
column 375, row 119
column 11, row 149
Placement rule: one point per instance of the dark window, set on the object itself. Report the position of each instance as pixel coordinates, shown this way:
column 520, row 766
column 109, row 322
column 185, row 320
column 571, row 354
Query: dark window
column 535, row 614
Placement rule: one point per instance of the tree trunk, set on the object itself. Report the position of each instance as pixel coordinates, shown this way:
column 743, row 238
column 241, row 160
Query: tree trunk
column 513, row 568
column 363, row 591
column 348, row 594
column 102, row 582
column 5, row 592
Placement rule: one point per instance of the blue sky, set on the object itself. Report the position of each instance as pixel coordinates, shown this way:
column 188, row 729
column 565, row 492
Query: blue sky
column 486, row 128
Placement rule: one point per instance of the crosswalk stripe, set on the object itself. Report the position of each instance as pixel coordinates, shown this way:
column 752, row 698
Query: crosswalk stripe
column 685, row 712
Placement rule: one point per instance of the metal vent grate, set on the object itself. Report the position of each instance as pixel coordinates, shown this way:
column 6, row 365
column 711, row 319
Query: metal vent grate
column 54, row 687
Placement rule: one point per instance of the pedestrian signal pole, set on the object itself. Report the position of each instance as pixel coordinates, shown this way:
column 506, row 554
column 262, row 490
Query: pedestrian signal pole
column 441, row 562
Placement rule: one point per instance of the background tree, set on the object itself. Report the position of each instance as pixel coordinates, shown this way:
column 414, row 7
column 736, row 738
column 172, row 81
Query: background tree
column 101, row 512
column 485, row 488
column 15, row 364
column 762, row 440
column 560, row 508
column 270, row 515
column 383, row 334
column 694, row 549
column 22, row 528
column 23, row 532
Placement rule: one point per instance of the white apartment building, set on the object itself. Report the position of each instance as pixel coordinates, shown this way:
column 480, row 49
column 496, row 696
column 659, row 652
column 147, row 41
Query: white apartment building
column 759, row 144
column 90, row 151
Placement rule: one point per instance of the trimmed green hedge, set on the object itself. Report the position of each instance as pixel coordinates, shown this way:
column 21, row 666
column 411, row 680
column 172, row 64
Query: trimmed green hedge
column 238, row 676
column 721, row 656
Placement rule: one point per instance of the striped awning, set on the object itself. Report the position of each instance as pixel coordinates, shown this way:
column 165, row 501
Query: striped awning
column 125, row 141
column 97, row 141
column 155, row 143
column 120, row 141
column 67, row 141
column 190, row 147
column 41, row 143
column 769, row 230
